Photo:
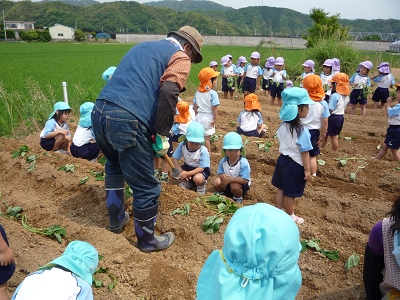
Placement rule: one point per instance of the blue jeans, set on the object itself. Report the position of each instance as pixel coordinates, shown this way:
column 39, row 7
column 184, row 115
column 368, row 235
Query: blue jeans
column 126, row 143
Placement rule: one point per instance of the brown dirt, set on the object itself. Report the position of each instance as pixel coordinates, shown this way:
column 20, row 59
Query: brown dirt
column 338, row 212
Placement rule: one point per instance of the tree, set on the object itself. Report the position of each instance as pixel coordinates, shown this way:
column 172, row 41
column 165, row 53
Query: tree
column 79, row 35
column 325, row 27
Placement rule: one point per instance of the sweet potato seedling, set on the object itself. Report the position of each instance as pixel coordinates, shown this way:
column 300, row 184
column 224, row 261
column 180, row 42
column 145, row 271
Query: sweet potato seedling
column 23, row 150
column 352, row 261
column 181, row 210
column 67, row 168
column 56, row 230
column 314, row 244
column 12, row 212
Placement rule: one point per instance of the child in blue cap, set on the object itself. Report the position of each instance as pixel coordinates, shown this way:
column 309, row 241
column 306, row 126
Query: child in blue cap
column 69, row 276
column 196, row 169
column 55, row 135
column 84, row 144
column 293, row 165
column 259, row 259
column 233, row 170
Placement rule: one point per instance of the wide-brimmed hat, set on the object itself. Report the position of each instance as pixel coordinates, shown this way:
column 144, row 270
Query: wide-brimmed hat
column 228, row 55
column 279, row 61
column 251, row 102
column 193, row 37
column 85, row 110
column 108, row 73
column 241, row 60
column 205, row 76
column 270, row 62
column 292, row 98
column 59, row 106
column 309, row 64
column 342, row 83
column 313, row 84
column 213, row 63
column 336, row 64
column 81, row 258
column 184, row 114
column 289, row 83
column 384, row 70
column 384, row 64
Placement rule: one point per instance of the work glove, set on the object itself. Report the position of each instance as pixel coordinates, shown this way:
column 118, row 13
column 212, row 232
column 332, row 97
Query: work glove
column 160, row 145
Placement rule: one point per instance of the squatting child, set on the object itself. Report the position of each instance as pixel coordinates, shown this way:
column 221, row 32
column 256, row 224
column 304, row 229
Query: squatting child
column 250, row 121
column 392, row 140
column 317, row 119
column 337, row 105
column 7, row 266
column 205, row 103
column 233, row 170
column 385, row 80
column 196, row 169
column 293, row 165
column 55, row 135
column 360, row 83
column 252, row 74
column 278, row 76
column 267, row 72
column 84, row 144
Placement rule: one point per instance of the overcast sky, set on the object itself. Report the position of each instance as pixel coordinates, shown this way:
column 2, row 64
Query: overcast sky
column 348, row 9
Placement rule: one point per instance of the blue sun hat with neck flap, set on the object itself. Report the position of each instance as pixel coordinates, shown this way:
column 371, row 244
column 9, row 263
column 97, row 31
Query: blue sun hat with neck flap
column 107, row 74
column 81, row 258
column 85, row 120
column 259, row 259
column 59, row 106
column 291, row 99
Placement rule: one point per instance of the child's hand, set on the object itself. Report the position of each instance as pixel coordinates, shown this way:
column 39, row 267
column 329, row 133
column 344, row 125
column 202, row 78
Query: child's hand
column 184, row 175
column 6, row 257
column 307, row 174
column 64, row 131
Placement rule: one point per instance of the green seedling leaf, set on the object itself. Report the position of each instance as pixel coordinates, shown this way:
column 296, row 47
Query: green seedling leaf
column 83, row 180
column 303, row 245
column 31, row 159
column 321, row 162
column 212, row 224
column 347, row 138
column 343, row 162
column 98, row 283
column 261, row 145
column 314, row 245
column 379, row 146
column 128, row 192
column 333, row 255
column 102, row 160
column 67, row 168
column 352, row 261
column 56, row 230
column 232, row 123
column 98, row 176
column 397, row 168
column 21, row 152
column 353, row 176
column 183, row 211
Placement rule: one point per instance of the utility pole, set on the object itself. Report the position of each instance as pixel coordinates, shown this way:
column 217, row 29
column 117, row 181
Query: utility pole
column 5, row 30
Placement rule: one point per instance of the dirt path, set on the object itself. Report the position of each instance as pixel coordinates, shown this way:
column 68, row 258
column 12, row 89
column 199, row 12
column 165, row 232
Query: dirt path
column 337, row 211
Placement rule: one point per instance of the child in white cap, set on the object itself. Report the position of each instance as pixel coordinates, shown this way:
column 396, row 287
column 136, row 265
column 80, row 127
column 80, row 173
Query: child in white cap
column 252, row 74
column 308, row 70
column 196, row 168
column 267, row 72
column 55, row 135
column 278, row 77
column 293, row 165
column 69, row 276
column 84, row 144
column 233, row 170
column 360, row 83
column 228, row 73
column 259, row 258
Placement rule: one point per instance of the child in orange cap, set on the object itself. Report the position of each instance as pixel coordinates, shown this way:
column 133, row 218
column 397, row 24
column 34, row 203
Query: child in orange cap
column 205, row 103
column 317, row 118
column 250, row 121
column 337, row 104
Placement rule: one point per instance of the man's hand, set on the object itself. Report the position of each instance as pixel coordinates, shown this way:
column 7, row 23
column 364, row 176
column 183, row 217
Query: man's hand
column 160, row 145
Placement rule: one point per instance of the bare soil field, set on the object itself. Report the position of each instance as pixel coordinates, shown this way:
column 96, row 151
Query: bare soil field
column 337, row 210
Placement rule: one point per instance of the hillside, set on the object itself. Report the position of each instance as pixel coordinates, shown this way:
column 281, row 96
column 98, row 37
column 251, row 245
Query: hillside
column 189, row 5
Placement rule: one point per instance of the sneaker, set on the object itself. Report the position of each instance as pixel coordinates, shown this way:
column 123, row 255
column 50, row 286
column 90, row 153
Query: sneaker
column 123, row 224
column 185, row 184
column 237, row 200
column 201, row 189
column 62, row 151
column 157, row 176
column 297, row 219
column 164, row 179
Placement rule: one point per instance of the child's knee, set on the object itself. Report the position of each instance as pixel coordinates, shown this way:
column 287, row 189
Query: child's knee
column 236, row 188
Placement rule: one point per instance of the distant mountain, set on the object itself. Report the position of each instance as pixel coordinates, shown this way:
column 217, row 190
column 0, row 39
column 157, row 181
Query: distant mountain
column 189, row 5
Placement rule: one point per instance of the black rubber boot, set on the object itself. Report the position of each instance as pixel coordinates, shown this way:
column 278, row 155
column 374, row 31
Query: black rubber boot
column 116, row 209
column 144, row 220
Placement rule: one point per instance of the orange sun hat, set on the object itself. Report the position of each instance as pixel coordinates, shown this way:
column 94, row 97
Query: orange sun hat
column 342, row 83
column 183, row 116
column 251, row 102
column 313, row 84
column 205, row 76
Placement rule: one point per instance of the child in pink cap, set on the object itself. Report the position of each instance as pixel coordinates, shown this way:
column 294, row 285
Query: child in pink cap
column 308, row 70
column 240, row 68
column 360, row 83
column 325, row 76
column 267, row 72
column 385, row 80
column 252, row 74
column 228, row 73
column 278, row 76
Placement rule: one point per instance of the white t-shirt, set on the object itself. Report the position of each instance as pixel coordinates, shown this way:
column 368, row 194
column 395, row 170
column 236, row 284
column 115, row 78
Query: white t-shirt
column 252, row 71
column 316, row 113
column 249, row 120
column 338, row 103
column 82, row 136
column 205, row 101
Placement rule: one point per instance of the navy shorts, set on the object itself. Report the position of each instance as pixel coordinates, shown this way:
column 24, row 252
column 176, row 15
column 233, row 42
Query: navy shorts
column 238, row 81
column 88, row 151
column 228, row 192
column 206, row 172
column 47, row 144
column 249, row 84
column 266, row 84
column 335, row 125
column 380, row 94
column 248, row 133
column 6, row 272
column 276, row 91
column 356, row 97
column 289, row 177
column 392, row 139
column 225, row 87
column 327, row 98
column 315, row 133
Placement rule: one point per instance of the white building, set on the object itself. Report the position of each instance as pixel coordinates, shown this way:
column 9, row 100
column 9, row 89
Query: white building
column 20, row 25
column 61, row 33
